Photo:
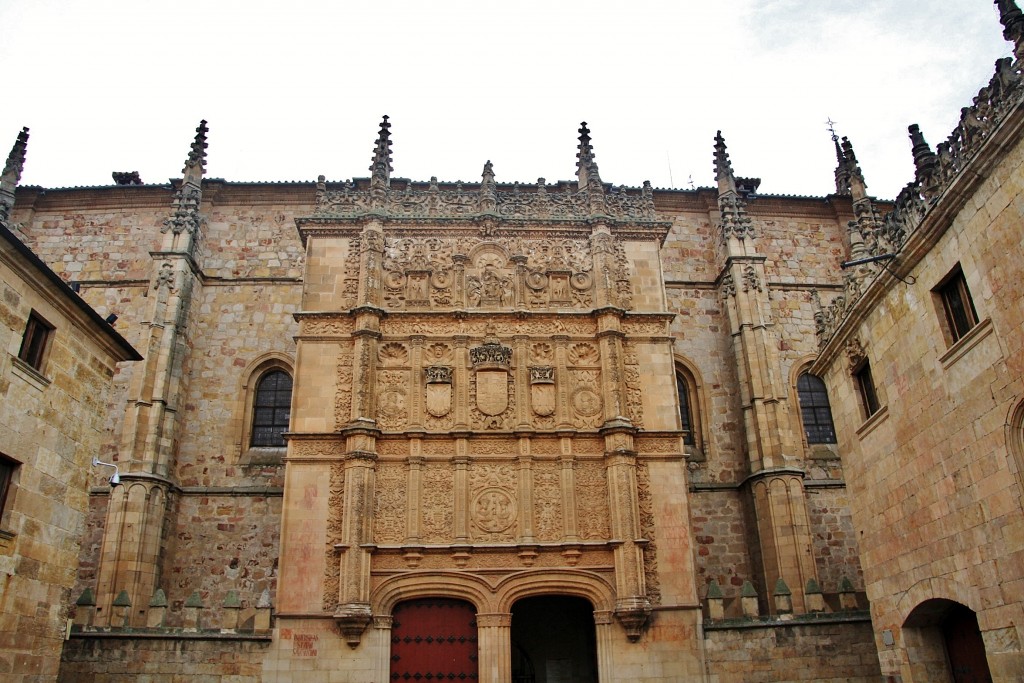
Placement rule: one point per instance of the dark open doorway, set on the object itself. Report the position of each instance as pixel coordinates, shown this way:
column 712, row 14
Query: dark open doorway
column 553, row 640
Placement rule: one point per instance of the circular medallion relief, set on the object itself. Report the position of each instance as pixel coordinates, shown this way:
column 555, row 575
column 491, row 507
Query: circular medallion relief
column 581, row 281
column 494, row 511
column 586, row 401
column 536, row 281
column 394, row 279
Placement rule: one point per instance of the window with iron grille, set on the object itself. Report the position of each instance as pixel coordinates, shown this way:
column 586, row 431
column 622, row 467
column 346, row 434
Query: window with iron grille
column 271, row 407
column 815, row 410
column 7, row 469
column 35, row 341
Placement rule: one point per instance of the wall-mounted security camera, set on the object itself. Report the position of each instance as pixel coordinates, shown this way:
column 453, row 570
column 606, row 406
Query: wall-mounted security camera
column 115, row 478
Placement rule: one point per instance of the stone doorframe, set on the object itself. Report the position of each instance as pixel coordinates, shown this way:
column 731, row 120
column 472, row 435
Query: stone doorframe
column 493, row 601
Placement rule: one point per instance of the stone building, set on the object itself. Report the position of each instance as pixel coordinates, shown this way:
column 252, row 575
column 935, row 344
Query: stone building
column 551, row 431
column 55, row 372
column 924, row 358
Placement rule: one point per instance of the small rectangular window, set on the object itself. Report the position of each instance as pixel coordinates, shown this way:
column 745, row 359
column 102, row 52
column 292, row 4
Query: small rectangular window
column 866, row 387
column 7, row 468
column 35, row 341
column 957, row 304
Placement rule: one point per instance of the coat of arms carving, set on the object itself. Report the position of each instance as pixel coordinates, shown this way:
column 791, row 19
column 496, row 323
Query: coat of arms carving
column 542, row 390
column 491, row 362
column 439, row 390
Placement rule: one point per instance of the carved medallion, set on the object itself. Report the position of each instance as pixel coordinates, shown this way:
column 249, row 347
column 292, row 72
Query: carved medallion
column 586, row 401
column 494, row 511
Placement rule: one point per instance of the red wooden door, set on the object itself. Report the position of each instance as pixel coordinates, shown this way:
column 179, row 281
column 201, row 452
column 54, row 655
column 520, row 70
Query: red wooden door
column 965, row 647
column 433, row 639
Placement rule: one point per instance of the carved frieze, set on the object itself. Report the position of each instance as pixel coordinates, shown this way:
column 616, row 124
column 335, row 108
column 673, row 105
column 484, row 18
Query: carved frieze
column 437, row 501
column 547, row 501
column 592, row 500
column 343, row 395
column 390, row 503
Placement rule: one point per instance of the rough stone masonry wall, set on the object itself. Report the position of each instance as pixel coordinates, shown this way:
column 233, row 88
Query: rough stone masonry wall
column 129, row 660
column 824, row 653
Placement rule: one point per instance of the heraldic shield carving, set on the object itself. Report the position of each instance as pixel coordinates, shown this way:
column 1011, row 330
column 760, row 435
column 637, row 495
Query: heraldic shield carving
column 439, row 390
column 491, row 363
column 542, row 390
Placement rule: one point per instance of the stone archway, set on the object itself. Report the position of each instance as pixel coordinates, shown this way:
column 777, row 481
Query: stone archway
column 553, row 640
column 947, row 643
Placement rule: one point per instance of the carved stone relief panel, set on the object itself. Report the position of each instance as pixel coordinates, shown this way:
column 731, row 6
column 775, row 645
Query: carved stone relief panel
column 493, row 508
column 418, row 272
column 343, row 396
column 634, row 390
column 392, row 399
column 547, row 501
column 350, row 283
column 490, row 277
column 437, row 503
column 592, row 500
column 646, row 505
column 390, row 503
column 335, row 511
column 559, row 273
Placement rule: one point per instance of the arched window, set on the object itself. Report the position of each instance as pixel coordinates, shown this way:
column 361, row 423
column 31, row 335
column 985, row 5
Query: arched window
column 685, row 390
column 815, row 410
column 270, row 409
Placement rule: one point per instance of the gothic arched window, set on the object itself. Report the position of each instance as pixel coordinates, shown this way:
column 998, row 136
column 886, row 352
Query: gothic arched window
column 815, row 410
column 270, row 409
column 685, row 390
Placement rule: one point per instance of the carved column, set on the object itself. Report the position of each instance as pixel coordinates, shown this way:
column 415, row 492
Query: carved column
column 613, row 385
column 525, row 495
column 353, row 612
column 459, row 295
column 519, row 261
column 461, row 388
column 364, row 360
column 522, row 382
column 371, row 263
column 602, row 248
column 413, row 533
column 632, row 606
column 461, row 464
column 493, row 632
column 382, row 624
column 416, row 383
column 604, row 626
column 563, row 415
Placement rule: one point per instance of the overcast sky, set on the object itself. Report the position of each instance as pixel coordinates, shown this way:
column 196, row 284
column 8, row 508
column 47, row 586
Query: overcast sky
column 296, row 89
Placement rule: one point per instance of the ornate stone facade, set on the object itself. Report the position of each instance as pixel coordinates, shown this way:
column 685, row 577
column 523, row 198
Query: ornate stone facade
column 486, row 407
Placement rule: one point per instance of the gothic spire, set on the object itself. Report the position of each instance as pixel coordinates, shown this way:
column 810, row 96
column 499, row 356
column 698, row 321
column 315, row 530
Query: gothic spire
column 586, row 168
column 380, row 166
column 196, row 161
column 731, row 206
column 185, row 207
column 723, row 167
column 924, row 158
column 849, row 178
column 1012, row 20
column 12, row 174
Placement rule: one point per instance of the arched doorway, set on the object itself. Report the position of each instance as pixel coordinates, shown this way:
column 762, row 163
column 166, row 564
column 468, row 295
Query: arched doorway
column 553, row 640
column 433, row 639
column 945, row 636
